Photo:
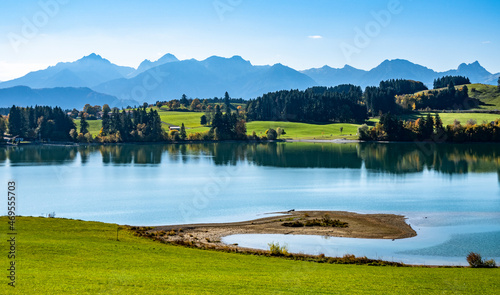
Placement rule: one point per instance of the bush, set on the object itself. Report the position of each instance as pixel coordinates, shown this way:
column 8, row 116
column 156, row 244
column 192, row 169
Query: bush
column 278, row 250
column 293, row 224
column 271, row 134
column 174, row 135
column 326, row 221
column 476, row 261
column 363, row 132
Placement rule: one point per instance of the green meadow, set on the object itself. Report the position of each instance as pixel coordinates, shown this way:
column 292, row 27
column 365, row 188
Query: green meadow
column 293, row 130
column 305, row 131
column 488, row 94
column 463, row 118
column 490, row 97
column 94, row 126
column 61, row 256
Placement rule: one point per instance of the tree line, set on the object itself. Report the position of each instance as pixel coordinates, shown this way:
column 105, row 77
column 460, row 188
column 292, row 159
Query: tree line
column 40, row 122
column 381, row 99
column 391, row 128
column 447, row 80
column 130, row 126
column 43, row 123
column 199, row 105
column 443, row 99
column 342, row 103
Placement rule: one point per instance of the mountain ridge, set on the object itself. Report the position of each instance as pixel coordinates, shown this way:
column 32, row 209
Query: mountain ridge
column 64, row 97
column 168, row 77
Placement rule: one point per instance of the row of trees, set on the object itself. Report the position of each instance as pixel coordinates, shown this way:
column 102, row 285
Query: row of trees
column 342, row 103
column 347, row 103
column 444, row 99
column 198, row 105
column 402, row 86
column 40, row 122
column 430, row 129
column 3, row 127
column 381, row 100
column 130, row 126
column 227, row 126
column 447, row 80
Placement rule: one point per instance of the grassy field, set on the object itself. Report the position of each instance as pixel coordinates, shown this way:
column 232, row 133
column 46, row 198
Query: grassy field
column 94, row 126
column 304, row 130
column 190, row 119
column 488, row 94
column 58, row 256
column 448, row 118
column 295, row 130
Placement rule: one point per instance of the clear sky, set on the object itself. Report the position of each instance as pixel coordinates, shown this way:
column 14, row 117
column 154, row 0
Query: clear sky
column 301, row 34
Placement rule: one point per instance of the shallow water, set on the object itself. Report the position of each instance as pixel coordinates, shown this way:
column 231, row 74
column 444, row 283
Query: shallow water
column 457, row 187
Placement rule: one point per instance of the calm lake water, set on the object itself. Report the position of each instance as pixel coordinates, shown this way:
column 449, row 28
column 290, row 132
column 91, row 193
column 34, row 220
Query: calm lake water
column 449, row 193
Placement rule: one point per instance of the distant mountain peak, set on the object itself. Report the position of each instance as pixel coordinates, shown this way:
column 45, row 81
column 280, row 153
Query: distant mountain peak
column 168, row 58
column 93, row 56
column 474, row 65
column 147, row 64
column 350, row 68
column 397, row 61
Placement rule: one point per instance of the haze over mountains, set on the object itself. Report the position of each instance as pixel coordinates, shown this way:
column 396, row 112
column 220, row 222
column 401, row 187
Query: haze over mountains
column 93, row 79
column 64, row 97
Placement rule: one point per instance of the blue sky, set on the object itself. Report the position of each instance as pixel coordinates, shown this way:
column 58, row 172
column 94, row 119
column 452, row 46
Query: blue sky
column 300, row 34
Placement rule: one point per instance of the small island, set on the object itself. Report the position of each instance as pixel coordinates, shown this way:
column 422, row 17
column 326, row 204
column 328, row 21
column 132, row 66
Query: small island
column 323, row 223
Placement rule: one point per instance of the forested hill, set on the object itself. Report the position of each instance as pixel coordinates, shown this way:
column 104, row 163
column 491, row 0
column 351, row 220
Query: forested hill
column 343, row 103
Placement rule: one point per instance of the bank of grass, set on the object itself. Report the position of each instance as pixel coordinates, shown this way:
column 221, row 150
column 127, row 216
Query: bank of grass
column 304, row 130
column 463, row 118
column 294, row 130
column 58, row 256
column 190, row 119
column 488, row 94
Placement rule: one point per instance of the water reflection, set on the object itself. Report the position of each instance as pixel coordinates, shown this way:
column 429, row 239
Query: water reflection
column 396, row 158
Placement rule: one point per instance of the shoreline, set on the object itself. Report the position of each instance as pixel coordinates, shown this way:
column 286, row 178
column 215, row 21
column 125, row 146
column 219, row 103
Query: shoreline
column 333, row 141
column 209, row 235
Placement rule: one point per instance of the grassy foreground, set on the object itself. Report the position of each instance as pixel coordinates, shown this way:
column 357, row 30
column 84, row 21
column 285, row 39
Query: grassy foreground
column 59, row 256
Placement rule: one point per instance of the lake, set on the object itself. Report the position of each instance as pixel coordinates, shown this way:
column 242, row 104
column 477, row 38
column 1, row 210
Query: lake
column 449, row 193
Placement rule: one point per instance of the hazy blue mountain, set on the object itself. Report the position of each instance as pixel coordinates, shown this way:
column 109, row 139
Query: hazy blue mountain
column 328, row 76
column 208, row 78
column 168, row 78
column 493, row 79
column 396, row 69
column 147, row 64
column 85, row 72
column 474, row 71
column 65, row 97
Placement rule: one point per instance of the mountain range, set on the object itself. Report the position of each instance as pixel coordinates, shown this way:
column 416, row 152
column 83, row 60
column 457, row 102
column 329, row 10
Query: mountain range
column 93, row 79
column 64, row 97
